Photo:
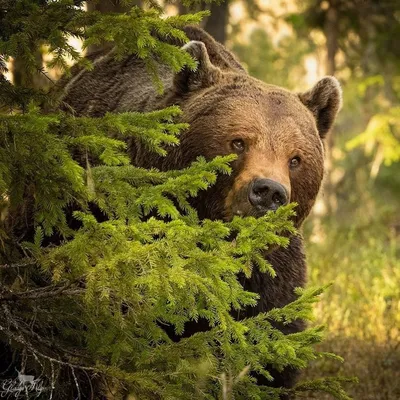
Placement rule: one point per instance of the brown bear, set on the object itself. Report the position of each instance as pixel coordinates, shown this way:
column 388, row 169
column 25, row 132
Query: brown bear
column 277, row 136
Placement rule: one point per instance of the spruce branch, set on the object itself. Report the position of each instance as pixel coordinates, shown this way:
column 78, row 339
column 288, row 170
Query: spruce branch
column 17, row 265
column 43, row 293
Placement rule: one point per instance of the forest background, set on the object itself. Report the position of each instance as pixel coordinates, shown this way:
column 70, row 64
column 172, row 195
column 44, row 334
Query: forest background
column 353, row 236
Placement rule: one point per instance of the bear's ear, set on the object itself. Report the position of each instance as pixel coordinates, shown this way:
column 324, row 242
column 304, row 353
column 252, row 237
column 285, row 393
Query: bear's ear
column 324, row 101
column 205, row 75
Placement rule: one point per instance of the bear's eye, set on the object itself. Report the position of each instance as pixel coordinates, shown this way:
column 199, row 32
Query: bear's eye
column 238, row 145
column 294, row 162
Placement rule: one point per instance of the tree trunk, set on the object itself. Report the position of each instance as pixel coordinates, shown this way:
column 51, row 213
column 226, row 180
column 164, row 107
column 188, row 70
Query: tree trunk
column 331, row 35
column 331, row 31
column 106, row 6
column 31, row 79
column 216, row 24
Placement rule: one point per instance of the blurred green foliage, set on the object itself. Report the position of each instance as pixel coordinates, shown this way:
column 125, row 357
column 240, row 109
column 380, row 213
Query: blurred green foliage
column 279, row 64
column 380, row 138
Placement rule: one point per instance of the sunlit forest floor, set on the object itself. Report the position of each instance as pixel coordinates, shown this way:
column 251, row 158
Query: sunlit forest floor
column 361, row 310
column 377, row 366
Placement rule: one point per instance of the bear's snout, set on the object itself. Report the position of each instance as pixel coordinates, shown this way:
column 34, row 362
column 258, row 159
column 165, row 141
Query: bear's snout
column 266, row 194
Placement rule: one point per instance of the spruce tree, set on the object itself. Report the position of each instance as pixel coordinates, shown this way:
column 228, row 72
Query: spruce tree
column 100, row 258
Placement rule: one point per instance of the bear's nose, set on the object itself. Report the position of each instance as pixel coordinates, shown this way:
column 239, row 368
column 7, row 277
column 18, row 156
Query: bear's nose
column 267, row 193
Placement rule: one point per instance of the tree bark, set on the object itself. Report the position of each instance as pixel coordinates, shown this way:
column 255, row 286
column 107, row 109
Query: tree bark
column 216, row 24
column 331, row 31
column 22, row 77
column 106, row 6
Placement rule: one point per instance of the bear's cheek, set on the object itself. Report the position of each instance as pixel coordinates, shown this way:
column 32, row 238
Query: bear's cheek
column 236, row 200
column 210, row 203
column 305, row 187
column 237, row 204
column 201, row 141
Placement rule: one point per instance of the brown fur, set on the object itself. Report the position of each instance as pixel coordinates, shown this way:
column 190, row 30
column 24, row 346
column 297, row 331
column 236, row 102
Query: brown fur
column 221, row 102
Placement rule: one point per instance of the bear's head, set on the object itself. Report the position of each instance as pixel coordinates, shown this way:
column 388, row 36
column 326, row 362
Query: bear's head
column 277, row 136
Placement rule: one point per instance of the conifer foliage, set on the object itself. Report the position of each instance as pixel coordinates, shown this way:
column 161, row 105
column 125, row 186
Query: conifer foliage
column 103, row 262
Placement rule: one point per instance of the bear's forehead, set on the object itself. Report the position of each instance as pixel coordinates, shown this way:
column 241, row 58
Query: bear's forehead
column 268, row 111
column 270, row 102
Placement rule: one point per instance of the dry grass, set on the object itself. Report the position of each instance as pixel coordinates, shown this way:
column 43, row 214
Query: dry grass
column 376, row 366
column 361, row 310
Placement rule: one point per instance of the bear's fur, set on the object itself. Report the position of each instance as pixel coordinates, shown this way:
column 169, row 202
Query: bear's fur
column 222, row 103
